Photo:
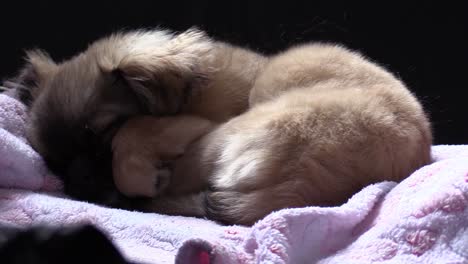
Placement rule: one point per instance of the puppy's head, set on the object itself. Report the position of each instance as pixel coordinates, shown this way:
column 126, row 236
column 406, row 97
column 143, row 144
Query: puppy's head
column 76, row 106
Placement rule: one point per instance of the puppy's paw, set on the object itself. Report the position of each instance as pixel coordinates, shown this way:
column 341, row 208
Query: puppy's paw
column 161, row 177
column 140, row 176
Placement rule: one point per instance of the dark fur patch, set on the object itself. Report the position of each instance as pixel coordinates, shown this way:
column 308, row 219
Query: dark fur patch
column 45, row 244
column 23, row 83
column 215, row 209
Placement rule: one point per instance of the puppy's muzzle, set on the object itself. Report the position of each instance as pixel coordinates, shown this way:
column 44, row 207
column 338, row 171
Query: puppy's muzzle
column 89, row 178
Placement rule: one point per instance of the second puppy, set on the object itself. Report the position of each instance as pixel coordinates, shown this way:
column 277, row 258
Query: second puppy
column 323, row 123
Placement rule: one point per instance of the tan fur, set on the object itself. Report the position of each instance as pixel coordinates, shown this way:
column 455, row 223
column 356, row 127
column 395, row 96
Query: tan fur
column 309, row 126
column 133, row 73
column 141, row 146
column 324, row 122
column 220, row 75
column 151, row 61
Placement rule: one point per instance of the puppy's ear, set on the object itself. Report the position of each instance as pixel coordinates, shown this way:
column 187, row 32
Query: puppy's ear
column 28, row 82
column 158, row 74
column 181, row 54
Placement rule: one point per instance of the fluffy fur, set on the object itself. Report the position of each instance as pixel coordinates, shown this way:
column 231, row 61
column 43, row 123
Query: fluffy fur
column 309, row 126
column 323, row 123
column 76, row 106
column 147, row 155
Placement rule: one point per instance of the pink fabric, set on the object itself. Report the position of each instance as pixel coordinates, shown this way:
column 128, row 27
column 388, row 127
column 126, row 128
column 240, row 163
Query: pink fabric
column 424, row 219
column 20, row 165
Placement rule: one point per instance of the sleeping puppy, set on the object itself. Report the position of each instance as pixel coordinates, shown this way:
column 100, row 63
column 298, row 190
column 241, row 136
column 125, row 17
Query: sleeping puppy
column 323, row 123
column 76, row 106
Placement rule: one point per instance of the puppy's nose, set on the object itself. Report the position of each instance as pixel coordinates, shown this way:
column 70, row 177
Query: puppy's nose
column 89, row 179
column 80, row 181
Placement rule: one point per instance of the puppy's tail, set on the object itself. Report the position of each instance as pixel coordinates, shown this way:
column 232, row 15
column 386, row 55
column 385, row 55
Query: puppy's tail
column 193, row 204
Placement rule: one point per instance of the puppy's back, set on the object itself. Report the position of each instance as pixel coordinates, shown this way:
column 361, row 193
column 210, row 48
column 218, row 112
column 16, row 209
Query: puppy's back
column 325, row 122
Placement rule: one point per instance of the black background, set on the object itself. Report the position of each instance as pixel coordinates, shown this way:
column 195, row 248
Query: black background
column 422, row 42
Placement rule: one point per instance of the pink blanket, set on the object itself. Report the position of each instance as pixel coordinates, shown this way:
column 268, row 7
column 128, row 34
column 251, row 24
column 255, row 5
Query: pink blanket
column 424, row 219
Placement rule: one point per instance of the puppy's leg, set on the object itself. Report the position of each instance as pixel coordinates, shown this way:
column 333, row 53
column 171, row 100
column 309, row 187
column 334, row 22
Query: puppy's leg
column 192, row 204
column 245, row 208
column 137, row 173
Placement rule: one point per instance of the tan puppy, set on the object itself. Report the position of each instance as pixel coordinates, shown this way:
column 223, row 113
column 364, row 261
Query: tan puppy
column 323, row 123
column 76, row 106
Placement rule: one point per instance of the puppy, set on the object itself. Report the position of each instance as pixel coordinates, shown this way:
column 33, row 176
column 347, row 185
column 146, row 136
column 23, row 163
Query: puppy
column 76, row 106
column 323, row 123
